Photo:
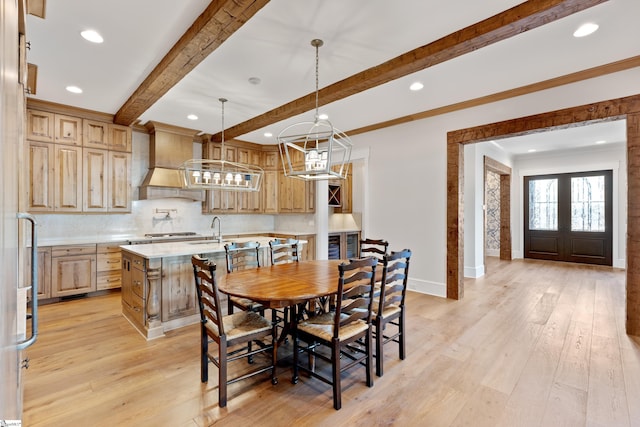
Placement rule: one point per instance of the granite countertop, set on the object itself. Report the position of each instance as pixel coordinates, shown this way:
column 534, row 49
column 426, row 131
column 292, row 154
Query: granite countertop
column 194, row 247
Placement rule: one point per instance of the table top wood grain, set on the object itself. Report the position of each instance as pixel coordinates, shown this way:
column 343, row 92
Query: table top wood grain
column 283, row 285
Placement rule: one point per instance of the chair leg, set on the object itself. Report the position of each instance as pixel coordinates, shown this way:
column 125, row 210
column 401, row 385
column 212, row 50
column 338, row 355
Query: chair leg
column 222, row 374
column 335, row 366
column 296, row 350
column 401, row 340
column 204, row 358
column 379, row 346
column 369, row 350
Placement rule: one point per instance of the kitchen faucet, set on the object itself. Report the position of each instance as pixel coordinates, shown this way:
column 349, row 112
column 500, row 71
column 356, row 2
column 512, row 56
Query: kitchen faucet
column 217, row 239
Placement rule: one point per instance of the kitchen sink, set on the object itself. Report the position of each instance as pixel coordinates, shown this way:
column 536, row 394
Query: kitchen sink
column 207, row 242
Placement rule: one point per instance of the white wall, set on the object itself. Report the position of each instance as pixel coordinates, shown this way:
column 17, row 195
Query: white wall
column 407, row 169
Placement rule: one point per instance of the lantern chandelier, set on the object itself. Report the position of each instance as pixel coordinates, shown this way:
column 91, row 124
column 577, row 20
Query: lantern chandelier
column 314, row 150
column 206, row 174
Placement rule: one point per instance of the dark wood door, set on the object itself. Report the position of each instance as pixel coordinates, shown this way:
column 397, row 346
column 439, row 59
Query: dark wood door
column 568, row 217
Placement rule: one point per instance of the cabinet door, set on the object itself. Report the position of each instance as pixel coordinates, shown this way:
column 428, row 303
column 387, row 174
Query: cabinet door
column 299, row 191
column 178, row 291
column 269, row 192
column 44, row 272
column 219, row 201
column 71, row 275
column 94, row 182
column 40, row 126
column 68, row 130
column 119, row 188
column 284, row 193
column 41, row 177
column 120, row 138
column 68, row 186
column 271, row 160
column 96, row 134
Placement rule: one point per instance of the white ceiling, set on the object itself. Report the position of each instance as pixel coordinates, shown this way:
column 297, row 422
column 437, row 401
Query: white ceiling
column 275, row 47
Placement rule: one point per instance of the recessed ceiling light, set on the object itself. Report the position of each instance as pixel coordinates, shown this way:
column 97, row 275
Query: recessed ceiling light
column 416, row 86
column 268, row 134
column 323, row 116
column 74, row 89
column 254, row 80
column 602, row 141
column 92, row 36
column 586, row 29
column 531, row 150
column 192, row 117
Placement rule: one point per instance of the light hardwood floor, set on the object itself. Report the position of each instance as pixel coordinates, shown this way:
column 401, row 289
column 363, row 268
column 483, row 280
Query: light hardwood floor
column 533, row 343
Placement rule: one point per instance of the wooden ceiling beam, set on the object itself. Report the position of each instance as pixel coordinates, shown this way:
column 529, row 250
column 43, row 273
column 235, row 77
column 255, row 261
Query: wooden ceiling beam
column 214, row 26
column 526, row 16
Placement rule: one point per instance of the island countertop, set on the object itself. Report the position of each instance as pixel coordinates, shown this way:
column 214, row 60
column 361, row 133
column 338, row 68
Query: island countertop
column 193, row 247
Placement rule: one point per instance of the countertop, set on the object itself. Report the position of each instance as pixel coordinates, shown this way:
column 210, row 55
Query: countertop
column 194, row 247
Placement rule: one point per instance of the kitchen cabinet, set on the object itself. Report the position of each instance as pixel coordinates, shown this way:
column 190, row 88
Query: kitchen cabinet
column 77, row 165
column 94, row 180
column 73, row 270
column 134, row 289
column 40, row 187
column 249, row 202
column 109, row 265
column 344, row 245
column 219, row 201
column 341, row 193
column 119, row 186
column 269, row 190
column 49, row 127
column 67, row 194
column 44, row 271
column 179, row 297
column 292, row 194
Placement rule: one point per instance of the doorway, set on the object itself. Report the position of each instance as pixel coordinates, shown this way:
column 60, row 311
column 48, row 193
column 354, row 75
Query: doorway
column 568, row 217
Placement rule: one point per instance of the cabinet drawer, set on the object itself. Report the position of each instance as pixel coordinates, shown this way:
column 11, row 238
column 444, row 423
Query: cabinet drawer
column 109, row 262
column 138, row 263
column 137, row 309
column 59, row 251
column 137, row 282
column 109, row 280
column 105, row 248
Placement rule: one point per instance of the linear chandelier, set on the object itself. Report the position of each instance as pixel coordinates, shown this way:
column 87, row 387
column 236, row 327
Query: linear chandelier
column 315, row 150
column 207, row 174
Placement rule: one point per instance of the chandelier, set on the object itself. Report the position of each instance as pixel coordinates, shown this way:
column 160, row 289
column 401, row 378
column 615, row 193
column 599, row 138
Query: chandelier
column 314, row 150
column 206, row 174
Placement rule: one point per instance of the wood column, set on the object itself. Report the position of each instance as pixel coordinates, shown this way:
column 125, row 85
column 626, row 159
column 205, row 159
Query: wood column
column 455, row 220
column 633, row 224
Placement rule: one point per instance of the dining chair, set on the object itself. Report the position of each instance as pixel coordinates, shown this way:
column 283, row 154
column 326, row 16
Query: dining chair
column 283, row 251
column 373, row 247
column 390, row 307
column 348, row 323
column 242, row 256
column 229, row 332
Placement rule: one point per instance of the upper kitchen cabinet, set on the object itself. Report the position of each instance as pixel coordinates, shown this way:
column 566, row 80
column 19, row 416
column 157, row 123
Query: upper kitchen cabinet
column 345, row 191
column 107, row 136
column 219, row 201
column 269, row 188
column 250, row 202
column 77, row 164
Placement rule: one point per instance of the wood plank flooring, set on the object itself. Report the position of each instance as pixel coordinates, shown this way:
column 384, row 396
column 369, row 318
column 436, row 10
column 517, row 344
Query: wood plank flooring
column 533, row 343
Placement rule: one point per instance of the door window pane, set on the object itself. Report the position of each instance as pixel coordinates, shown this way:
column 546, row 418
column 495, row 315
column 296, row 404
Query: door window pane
column 543, row 204
column 587, row 203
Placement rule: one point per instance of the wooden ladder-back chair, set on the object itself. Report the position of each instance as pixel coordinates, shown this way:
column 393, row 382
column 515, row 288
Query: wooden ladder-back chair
column 390, row 307
column 283, row 251
column 373, row 247
column 348, row 323
column 242, row 256
column 229, row 332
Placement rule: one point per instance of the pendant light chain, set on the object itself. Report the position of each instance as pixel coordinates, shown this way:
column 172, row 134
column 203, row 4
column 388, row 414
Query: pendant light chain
column 317, row 43
column 222, row 154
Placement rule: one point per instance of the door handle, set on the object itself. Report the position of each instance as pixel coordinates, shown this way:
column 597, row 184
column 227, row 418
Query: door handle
column 21, row 345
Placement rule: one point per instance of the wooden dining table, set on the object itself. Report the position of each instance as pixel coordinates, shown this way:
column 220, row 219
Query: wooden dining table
column 284, row 285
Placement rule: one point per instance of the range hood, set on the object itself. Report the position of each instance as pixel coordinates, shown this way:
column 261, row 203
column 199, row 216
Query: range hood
column 169, row 147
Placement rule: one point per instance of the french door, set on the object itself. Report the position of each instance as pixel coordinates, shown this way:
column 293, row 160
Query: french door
column 568, row 217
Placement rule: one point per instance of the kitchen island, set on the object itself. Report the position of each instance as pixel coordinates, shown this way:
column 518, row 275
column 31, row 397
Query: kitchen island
column 158, row 290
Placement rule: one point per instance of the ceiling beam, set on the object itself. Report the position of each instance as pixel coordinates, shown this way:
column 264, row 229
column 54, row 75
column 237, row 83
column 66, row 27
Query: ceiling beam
column 214, row 26
column 526, row 16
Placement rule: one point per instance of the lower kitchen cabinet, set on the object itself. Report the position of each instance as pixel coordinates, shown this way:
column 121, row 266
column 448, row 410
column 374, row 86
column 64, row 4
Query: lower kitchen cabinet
column 179, row 297
column 308, row 250
column 44, row 271
column 109, row 265
column 73, row 270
